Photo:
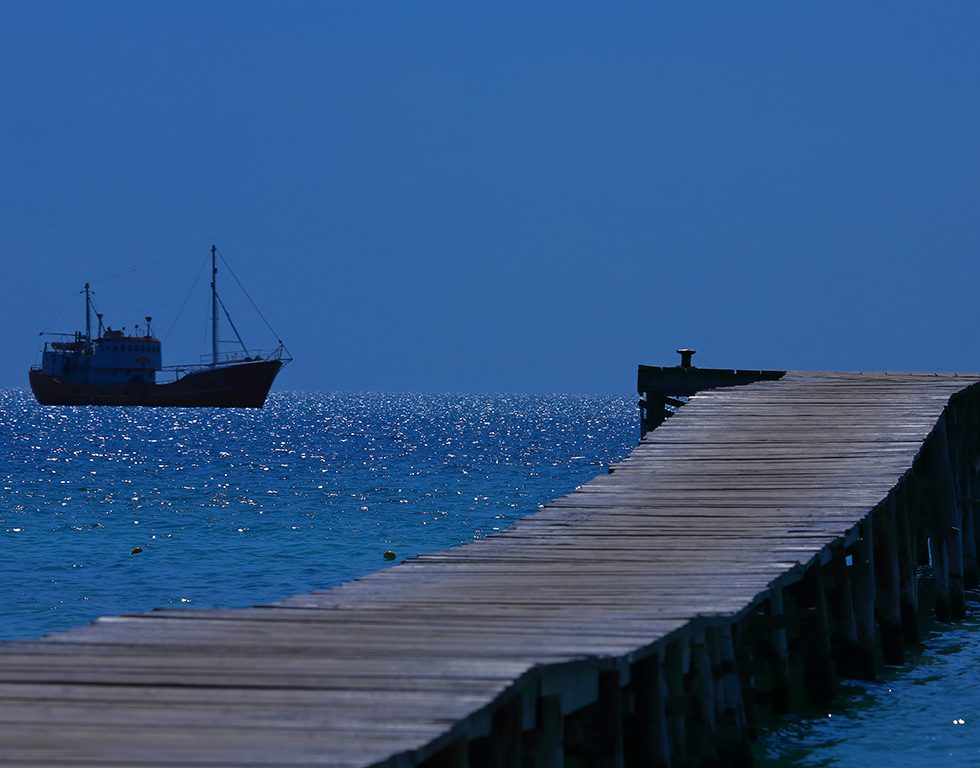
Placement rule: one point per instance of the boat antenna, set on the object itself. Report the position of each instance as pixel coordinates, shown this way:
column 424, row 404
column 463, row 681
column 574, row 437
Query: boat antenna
column 214, row 306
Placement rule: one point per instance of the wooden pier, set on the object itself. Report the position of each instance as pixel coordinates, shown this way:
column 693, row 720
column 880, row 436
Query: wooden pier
column 762, row 542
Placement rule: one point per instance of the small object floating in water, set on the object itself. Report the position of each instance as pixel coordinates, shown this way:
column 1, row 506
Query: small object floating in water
column 136, row 550
column 389, row 555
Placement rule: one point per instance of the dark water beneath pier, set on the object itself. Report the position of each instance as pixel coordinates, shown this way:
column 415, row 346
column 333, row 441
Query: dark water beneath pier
column 926, row 713
column 233, row 508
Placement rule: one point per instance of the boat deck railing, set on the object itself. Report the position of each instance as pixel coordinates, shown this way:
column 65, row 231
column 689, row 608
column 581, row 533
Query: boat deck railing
column 230, row 358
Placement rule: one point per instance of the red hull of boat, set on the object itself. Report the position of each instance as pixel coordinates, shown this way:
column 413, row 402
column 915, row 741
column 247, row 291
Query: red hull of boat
column 243, row 385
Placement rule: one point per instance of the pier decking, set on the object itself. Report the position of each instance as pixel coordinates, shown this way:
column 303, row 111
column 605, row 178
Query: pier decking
column 761, row 542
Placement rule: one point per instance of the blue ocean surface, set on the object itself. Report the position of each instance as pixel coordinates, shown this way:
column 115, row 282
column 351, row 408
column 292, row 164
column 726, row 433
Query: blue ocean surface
column 236, row 507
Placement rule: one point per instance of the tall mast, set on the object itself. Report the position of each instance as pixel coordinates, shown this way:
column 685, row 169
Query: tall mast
column 88, row 317
column 214, row 306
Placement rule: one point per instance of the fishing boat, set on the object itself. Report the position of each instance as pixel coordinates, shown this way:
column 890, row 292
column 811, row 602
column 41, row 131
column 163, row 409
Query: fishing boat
column 118, row 368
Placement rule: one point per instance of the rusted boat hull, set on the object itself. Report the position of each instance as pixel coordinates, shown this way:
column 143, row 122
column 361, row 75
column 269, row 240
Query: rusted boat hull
column 241, row 385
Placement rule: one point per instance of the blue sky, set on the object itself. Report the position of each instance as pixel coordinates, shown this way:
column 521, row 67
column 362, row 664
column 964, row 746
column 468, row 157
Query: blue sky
column 510, row 197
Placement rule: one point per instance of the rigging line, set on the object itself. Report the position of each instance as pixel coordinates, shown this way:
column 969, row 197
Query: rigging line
column 186, row 299
column 232, row 324
column 60, row 313
column 141, row 267
column 95, row 309
column 183, row 255
column 254, row 305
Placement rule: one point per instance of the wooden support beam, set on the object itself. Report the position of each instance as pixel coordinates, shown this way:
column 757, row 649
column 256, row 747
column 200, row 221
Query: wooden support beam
column 920, row 513
column 969, row 501
column 887, row 579
column 962, row 452
column 940, row 574
column 796, row 612
column 971, row 565
column 606, row 742
column 973, row 502
column 863, row 580
column 717, row 676
column 948, row 541
column 779, row 653
column 840, row 607
column 503, row 748
column 733, row 737
column 544, row 746
column 677, row 706
column 701, row 723
column 648, row 740
column 745, row 665
column 734, row 703
column 907, row 539
column 820, row 675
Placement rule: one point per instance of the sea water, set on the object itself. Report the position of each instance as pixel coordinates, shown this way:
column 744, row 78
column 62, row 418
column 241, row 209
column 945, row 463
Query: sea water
column 114, row 510
column 925, row 713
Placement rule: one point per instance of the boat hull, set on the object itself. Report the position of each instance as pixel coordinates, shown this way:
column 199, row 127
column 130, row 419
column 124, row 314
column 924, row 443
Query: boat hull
column 241, row 385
